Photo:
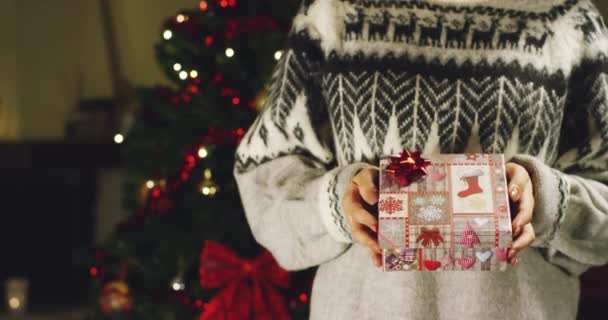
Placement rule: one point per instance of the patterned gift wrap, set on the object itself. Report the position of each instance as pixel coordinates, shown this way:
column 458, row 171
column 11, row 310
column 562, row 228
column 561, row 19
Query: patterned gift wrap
column 456, row 218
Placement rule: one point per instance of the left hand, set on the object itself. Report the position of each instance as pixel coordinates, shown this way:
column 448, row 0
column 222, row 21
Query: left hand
column 521, row 195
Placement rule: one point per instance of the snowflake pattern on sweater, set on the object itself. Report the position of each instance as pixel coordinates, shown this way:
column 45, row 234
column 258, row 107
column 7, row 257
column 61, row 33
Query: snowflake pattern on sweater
column 500, row 83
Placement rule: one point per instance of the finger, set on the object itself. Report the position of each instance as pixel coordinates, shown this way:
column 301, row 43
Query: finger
column 361, row 215
column 376, row 257
column 518, row 179
column 351, row 201
column 525, row 210
column 366, row 183
column 363, row 236
column 524, row 240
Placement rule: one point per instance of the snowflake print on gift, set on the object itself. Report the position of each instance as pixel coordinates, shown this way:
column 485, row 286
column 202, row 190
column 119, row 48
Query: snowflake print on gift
column 420, row 201
column 394, row 230
column 390, row 205
column 430, row 213
column 437, row 200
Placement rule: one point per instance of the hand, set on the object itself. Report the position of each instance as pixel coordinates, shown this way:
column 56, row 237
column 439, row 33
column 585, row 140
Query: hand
column 361, row 193
column 521, row 195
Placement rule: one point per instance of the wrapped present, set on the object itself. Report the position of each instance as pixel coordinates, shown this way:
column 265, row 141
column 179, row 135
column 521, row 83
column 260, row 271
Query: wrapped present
column 444, row 212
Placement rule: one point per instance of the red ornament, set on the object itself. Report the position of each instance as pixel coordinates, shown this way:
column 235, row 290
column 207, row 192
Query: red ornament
column 408, row 167
column 249, row 286
column 115, row 298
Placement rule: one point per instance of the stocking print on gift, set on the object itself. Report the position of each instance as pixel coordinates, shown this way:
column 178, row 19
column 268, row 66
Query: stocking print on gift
column 471, row 178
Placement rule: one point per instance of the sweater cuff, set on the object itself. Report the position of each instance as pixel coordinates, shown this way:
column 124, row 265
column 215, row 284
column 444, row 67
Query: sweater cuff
column 551, row 192
column 331, row 193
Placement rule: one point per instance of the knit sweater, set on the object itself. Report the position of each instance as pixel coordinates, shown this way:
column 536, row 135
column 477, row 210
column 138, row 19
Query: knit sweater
column 360, row 79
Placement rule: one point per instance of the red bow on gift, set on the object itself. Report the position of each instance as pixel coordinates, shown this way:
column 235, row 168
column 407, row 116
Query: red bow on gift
column 408, row 167
column 427, row 235
column 249, row 286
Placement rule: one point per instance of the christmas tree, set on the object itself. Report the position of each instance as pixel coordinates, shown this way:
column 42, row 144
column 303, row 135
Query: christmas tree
column 187, row 252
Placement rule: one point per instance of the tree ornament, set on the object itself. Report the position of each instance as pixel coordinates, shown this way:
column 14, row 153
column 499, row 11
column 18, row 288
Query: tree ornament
column 115, row 298
column 248, row 286
column 260, row 99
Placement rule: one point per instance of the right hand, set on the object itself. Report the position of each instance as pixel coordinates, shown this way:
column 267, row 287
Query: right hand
column 360, row 195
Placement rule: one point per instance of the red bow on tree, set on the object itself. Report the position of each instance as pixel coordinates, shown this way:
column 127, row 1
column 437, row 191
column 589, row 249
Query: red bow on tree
column 408, row 167
column 427, row 235
column 249, row 286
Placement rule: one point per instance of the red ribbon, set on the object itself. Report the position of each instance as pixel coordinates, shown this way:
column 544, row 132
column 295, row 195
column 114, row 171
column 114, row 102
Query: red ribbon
column 249, row 285
column 408, row 167
column 427, row 235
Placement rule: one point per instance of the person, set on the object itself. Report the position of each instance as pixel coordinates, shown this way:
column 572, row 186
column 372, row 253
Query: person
column 361, row 79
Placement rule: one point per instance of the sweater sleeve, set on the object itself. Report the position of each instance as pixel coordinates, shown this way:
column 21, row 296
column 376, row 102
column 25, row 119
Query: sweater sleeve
column 571, row 213
column 285, row 168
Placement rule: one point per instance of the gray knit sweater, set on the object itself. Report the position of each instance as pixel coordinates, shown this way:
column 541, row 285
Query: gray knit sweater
column 365, row 78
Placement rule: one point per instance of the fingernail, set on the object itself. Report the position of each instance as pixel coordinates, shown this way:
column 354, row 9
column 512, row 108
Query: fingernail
column 511, row 253
column 514, row 192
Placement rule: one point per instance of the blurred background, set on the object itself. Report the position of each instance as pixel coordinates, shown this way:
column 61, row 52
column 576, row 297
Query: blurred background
column 118, row 121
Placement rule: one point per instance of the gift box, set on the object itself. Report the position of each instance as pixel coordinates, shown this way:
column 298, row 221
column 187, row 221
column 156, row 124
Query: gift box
column 444, row 212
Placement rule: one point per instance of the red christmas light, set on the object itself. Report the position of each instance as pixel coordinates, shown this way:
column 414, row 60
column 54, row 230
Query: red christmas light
column 232, row 3
column 192, row 88
column 198, row 303
column 156, row 192
column 185, row 176
column 236, row 101
column 240, row 131
column 203, row 6
column 218, row 77
column 208, row 41
column 303, row 297
column 223, row 3
column 93, row 271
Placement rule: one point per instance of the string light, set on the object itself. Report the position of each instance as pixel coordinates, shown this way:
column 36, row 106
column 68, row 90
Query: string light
column 181, row 18
column 236, row 101
column 93, row 271
column 178, row 284
column 193, row 74
column 183, row 75
column 208, row 187
column 150, row 184
column 119, row 138
column 177, row 67
column 202, row 152
column 207, row 174
column 223, row 3
column 167, row 34
column 229, row 52
column 14, row 303
column 278, row 55
column 203, row 6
